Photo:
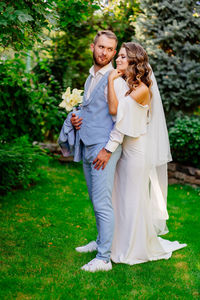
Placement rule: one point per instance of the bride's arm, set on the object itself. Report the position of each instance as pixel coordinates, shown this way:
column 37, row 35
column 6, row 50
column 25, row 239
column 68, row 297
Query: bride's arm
column 141, row 94
column 112, row 98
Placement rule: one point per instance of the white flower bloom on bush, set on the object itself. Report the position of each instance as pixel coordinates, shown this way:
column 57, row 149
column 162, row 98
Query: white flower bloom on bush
column 71, row 100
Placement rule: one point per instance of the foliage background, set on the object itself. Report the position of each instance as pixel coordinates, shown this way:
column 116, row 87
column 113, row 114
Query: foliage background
column 170, row 31
column 22, row 22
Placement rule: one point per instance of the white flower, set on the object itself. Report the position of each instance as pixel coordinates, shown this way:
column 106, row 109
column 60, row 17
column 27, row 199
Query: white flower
column 71, row 99
column 66, row 94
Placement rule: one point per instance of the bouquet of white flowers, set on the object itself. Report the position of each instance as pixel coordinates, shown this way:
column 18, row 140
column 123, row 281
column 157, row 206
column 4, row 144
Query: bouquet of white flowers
column 71, row 100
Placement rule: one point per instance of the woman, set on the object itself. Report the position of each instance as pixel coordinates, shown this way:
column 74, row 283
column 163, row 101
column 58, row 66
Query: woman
column 140, row 188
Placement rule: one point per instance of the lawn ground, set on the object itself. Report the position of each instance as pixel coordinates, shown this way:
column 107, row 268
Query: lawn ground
column 41, row 226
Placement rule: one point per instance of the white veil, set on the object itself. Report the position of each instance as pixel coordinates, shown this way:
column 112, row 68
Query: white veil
column 158, row 155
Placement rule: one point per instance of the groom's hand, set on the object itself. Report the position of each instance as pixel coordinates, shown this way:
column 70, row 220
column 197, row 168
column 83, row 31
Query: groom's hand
column 102, row 159
column 76, row 121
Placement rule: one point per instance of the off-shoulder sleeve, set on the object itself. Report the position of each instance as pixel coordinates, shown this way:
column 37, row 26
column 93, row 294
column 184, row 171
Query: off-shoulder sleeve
column 132, row 117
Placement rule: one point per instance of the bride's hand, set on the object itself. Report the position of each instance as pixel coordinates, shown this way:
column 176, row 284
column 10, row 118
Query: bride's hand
column 114, row 74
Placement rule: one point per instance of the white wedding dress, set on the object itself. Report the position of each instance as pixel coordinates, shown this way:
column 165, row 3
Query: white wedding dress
column 140, row 186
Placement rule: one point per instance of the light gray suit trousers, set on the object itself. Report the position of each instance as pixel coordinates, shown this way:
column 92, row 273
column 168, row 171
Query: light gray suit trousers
column 100, row 186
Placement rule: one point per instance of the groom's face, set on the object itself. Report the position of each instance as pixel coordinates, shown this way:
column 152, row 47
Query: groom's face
column 103, row 50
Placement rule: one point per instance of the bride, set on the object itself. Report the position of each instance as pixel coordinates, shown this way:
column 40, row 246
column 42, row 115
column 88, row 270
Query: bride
column 140, row 187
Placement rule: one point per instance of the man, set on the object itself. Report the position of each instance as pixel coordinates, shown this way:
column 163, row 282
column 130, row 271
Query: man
column 100, row 155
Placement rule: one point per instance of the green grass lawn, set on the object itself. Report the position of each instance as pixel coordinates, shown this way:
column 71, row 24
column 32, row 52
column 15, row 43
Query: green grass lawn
column 41, row 226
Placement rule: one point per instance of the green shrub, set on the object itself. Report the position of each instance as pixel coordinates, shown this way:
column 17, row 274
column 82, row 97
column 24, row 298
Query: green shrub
column 185, row 140
column 27, row 106
column 17, row 110
column 19, row 164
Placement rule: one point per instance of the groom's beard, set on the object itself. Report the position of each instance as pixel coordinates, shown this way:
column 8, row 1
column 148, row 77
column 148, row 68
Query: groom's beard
column 100, row 63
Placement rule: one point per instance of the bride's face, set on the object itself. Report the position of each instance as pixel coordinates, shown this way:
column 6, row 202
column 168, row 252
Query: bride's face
column 121, row 61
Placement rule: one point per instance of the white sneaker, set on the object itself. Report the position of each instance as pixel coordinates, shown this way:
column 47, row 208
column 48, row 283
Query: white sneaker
column 92, row 246
column 97, row 265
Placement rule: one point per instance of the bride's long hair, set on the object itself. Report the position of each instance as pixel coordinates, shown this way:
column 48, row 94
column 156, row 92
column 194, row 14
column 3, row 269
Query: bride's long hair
column 138, row 69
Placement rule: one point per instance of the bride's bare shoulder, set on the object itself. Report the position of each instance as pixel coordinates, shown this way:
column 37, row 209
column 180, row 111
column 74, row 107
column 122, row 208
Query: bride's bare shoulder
column 141, row 94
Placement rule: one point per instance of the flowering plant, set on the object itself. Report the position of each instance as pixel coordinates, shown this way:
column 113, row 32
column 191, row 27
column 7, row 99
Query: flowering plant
column 71, row 100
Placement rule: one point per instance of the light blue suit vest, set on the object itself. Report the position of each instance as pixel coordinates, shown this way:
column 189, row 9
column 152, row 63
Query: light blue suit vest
column 97, row 122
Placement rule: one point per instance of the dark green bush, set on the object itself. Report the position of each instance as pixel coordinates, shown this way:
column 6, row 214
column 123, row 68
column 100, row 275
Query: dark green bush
column 20, row 163
column 27, row 106
column 16, row 110
column 185, row 140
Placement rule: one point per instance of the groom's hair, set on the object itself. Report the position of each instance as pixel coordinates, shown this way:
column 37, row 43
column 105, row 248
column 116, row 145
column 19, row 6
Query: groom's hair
column 107, row 33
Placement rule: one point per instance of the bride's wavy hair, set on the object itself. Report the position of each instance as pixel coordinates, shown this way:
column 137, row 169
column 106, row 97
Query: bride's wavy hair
column 138, row 69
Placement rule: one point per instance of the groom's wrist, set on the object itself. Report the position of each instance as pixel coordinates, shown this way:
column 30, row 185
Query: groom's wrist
column 108, row 151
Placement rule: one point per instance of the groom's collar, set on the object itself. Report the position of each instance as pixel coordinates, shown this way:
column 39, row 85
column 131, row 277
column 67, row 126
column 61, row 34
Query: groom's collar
column 102, row 71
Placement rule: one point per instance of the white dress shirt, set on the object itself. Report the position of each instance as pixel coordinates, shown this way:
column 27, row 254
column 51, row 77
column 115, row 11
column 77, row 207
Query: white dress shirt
column 116, row 137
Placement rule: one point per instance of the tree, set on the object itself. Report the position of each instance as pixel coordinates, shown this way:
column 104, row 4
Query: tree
column 120, row 17
column 170, row 32
column 22, row 22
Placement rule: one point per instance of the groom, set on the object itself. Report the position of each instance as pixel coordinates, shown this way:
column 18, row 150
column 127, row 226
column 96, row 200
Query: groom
column 100, row 153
